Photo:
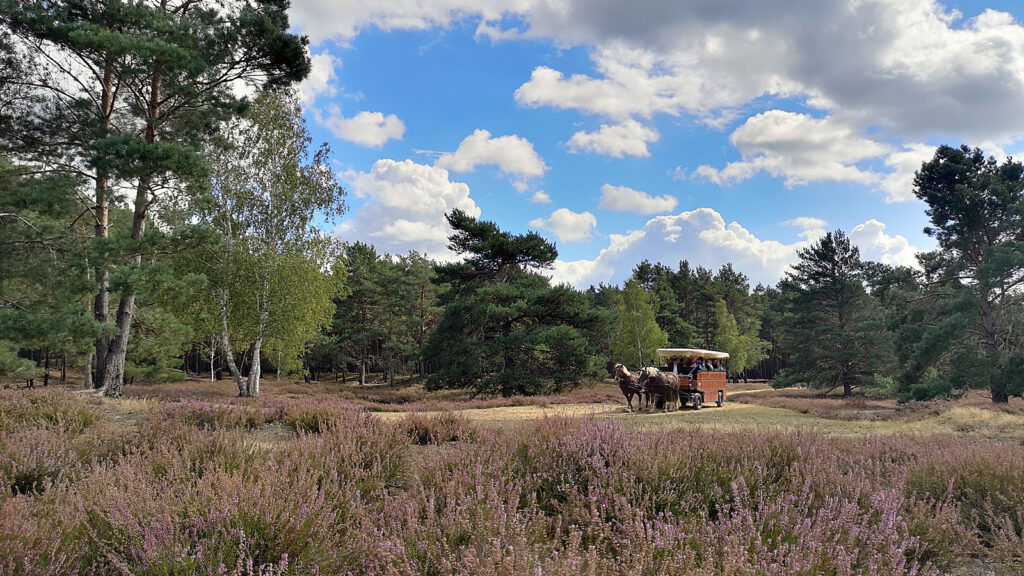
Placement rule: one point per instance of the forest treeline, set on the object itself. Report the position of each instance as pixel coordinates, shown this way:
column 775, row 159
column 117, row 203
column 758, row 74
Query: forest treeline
column 163, row 207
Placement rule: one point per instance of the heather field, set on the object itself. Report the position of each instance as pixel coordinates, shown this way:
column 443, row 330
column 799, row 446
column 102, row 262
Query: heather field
column 332, row 479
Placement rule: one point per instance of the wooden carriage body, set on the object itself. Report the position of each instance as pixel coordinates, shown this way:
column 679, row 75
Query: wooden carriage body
column 708, row 386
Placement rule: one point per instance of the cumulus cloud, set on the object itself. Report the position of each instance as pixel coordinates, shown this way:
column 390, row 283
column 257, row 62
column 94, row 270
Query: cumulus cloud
column 567, row 226
column 878, row 246
column 630, row 138
column 911, row 67
column 625, row 199
column 903, row 71
column 370, row 129
column 405, row 208
column 805, row 223
column 540, row 197
column 512, row 154
column 898, row 185
column 700, row 236
column 703, row 238
column 322, row 79
column 799, row 148
column 908, row 65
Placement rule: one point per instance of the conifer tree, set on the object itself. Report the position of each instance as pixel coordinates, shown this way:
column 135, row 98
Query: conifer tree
column 504, row 327
column 832, row 328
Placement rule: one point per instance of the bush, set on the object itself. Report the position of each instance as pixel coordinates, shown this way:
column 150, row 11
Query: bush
column 439, row 429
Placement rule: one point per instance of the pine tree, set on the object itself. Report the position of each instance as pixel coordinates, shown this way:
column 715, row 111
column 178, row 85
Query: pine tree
column 832, row 327
column 970, row 309
column 504, row 327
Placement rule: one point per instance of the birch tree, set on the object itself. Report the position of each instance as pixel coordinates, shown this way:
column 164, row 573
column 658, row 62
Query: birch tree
column 270, row 192
column 638, row 336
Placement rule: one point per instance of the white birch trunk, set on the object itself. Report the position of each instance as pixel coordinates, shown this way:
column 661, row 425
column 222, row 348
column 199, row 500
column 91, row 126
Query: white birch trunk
column 229, row 356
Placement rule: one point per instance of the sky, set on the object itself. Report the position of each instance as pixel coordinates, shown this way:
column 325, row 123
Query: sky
column 703, row 130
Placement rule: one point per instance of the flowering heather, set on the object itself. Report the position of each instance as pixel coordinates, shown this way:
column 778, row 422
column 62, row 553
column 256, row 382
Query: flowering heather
column 210, row 488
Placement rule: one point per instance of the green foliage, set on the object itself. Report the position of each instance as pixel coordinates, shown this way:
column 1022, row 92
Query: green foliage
column 638, row 336
column 11, row 366
column 968, row 311
column 833, row 329
column 269, row 193
column 45, row 284
column 504, row 328
column 745, row 348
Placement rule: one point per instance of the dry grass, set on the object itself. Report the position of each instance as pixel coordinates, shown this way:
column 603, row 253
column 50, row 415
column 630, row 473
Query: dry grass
column 751, row 407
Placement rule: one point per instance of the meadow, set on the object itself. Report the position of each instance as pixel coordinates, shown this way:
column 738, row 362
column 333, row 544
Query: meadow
column 333, row 479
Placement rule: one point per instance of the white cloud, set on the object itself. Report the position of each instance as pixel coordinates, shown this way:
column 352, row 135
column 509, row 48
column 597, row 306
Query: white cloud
column 908, row 66
column 912, row 68
column 341, row 20
column 322, row 79
column 567, row 226
column 878, row 246
column 405, row 208
column 495, row 33
column 629, row 138
column 703, row 238
column 805, row 223
column 625, row 199
column 540, row 197
column 899, row 184
column 700, row 236
column 512, row 154
column 634, row 83
column 370, row 129
column 799, row 148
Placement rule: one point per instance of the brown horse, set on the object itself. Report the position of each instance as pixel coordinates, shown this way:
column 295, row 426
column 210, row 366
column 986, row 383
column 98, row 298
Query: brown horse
column 664, row 384
column 628, row 384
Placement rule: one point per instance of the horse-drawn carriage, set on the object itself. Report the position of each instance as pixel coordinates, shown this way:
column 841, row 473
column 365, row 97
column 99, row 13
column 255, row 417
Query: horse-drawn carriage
column 688, row 376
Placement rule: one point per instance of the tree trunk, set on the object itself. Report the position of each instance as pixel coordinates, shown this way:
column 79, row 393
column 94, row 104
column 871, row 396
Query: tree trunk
column 255, row 368
column 229, row 356
column 63, row 368
column 113, row 372
column 101, row 305
column 213, row 356
column 87, row 374
column 46, row 368
column 988, row 327
column 253, row 385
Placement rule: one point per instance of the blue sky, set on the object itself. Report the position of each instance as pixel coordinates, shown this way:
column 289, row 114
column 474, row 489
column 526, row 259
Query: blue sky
column 671, row 130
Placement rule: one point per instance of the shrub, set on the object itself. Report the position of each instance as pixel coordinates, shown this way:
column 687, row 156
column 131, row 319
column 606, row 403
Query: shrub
column 439, row 429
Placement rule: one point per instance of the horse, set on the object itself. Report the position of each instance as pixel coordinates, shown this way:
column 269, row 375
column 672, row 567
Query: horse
column 628, row 384
column 664, row 384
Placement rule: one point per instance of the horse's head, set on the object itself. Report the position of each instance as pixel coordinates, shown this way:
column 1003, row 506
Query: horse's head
column 646, row 374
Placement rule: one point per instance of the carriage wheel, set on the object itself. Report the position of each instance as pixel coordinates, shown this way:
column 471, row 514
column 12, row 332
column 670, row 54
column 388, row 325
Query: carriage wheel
column 698, row 401
column 721, row 398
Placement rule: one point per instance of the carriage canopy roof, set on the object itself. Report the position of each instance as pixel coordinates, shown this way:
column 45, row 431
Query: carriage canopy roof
column 691, row 353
